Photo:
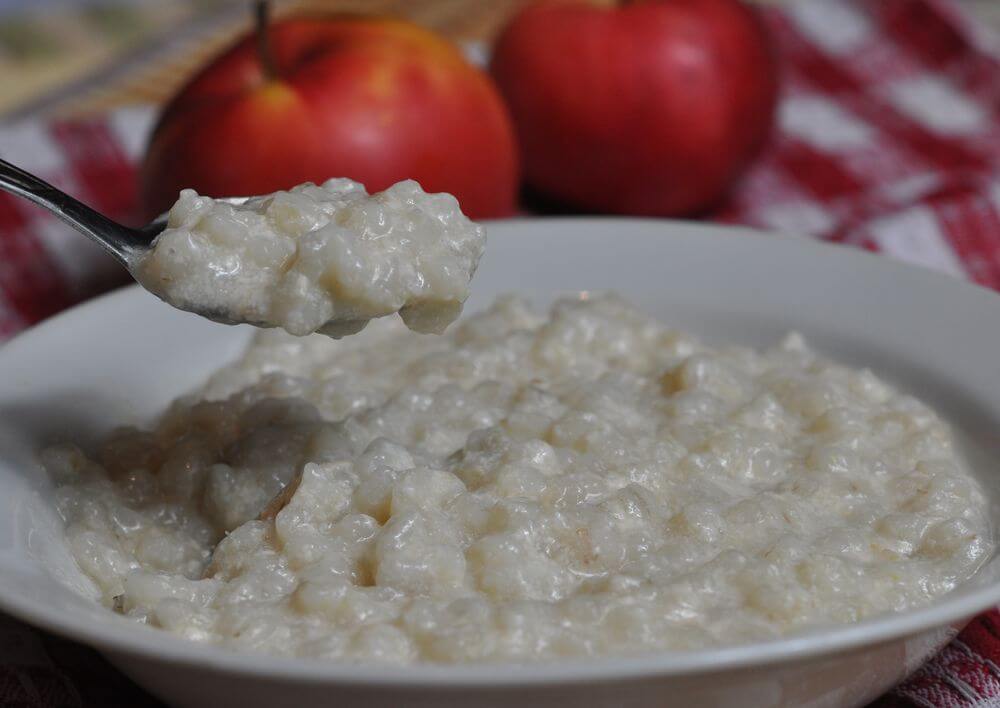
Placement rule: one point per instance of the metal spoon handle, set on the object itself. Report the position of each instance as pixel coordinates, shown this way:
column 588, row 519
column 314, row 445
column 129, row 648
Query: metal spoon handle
column 118, row 240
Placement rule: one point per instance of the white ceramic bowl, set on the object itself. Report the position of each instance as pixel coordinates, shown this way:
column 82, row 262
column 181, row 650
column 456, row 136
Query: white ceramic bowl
column 123, row 357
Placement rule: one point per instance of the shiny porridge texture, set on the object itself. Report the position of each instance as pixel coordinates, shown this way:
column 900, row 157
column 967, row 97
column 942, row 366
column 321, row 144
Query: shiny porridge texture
column 525, row 487
column 325, row 258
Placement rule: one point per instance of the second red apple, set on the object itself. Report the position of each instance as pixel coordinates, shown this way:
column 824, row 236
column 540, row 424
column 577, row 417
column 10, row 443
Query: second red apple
column 653, row 107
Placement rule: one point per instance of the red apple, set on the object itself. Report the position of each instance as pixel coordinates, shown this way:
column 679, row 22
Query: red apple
column 652, row 107
column 376, row 100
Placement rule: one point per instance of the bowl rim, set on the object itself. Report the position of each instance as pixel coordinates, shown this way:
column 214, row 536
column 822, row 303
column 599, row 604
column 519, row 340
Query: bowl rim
column 123, row 637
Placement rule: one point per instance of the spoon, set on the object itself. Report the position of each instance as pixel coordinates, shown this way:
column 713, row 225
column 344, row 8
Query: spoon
column 126, row 245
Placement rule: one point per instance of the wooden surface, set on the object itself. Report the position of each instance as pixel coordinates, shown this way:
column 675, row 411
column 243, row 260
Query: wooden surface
column 105, row 74
column 106, row 71
column 155, row 80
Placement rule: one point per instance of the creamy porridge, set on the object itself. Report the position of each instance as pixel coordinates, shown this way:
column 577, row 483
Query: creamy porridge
column 327, row 258
column 582, row 483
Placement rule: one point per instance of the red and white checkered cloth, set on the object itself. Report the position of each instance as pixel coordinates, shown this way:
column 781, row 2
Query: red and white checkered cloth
column 889, row 135
column 888, row 139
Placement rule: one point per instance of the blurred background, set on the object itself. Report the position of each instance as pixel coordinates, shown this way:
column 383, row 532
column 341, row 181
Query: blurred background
column 874, row 123
column 70, row 57
column 73, row 57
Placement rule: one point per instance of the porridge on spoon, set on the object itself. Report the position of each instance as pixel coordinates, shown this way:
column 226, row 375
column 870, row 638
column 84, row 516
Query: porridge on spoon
column 325, row 258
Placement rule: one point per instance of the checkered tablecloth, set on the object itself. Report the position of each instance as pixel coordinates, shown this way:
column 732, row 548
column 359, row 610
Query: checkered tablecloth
column 888, row 139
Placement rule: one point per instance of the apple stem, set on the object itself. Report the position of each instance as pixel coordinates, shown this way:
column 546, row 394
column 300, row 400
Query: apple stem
column 262, row 10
